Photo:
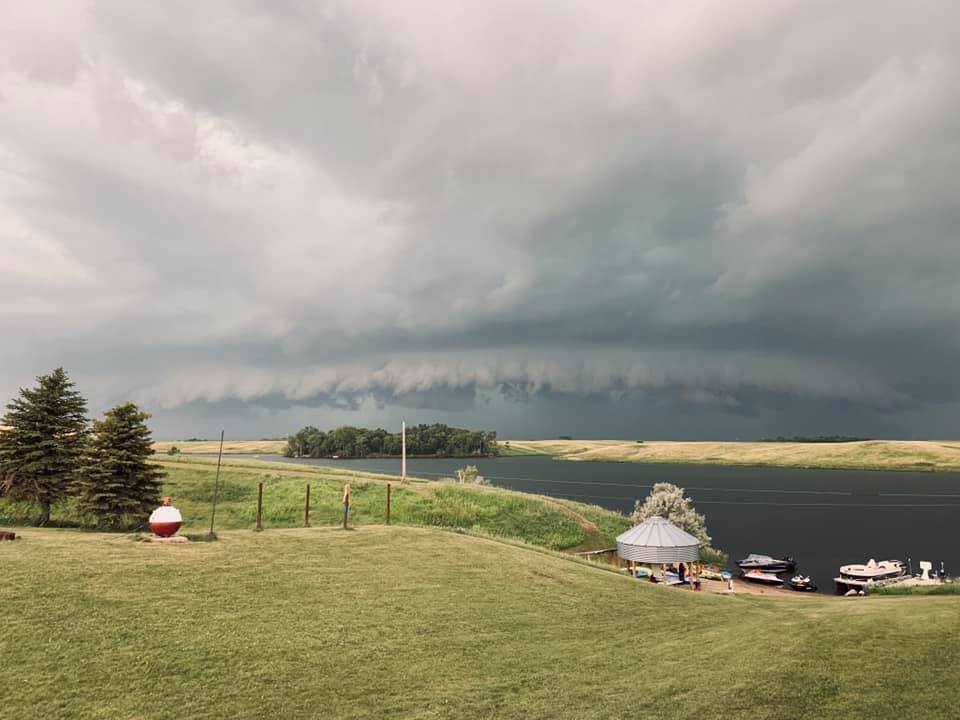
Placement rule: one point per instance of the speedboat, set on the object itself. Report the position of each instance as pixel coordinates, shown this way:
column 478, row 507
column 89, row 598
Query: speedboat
column 802, row 583
column 761, row 576
column 765, row 562
column 858, row 577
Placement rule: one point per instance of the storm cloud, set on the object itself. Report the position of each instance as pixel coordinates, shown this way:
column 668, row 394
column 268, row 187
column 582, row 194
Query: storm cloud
column 688, row 219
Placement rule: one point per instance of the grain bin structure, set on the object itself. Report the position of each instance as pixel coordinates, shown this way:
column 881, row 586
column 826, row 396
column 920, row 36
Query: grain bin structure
column 656, row 541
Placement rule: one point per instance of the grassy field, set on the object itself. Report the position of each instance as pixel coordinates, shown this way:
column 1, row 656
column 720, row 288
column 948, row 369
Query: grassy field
column 928, row 455
column 230, row 447
column 538, row 520
column 951, row 588
column 400, row 622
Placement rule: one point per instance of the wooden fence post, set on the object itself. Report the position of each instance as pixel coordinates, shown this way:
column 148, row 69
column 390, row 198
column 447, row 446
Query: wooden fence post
column 306, row 508
column 388, row 503
column 259, row 506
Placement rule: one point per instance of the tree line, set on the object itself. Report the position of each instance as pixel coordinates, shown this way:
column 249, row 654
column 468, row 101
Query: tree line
column 51, row 451
column 435, row 440
column 816, row 439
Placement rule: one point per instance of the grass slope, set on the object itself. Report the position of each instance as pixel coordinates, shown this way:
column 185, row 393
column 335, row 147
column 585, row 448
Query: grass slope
column 418, row 623
column 534, row 519
column 872, row 454
column 230, row 447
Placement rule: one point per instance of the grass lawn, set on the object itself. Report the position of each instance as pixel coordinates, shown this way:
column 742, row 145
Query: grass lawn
column 403, row 622
column 917, row 455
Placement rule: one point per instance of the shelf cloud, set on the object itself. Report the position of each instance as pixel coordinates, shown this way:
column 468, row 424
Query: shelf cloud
column 692, row 219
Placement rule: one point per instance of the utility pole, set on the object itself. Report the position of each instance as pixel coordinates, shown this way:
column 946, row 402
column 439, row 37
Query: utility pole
column 403, row 442
column 216, row 486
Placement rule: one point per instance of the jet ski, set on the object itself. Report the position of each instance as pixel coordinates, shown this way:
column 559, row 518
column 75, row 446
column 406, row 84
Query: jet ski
column 761, row 576
column 802, row 583
column 765, row 562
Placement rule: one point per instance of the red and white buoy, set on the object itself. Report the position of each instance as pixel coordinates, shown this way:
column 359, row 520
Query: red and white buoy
column 165, row 520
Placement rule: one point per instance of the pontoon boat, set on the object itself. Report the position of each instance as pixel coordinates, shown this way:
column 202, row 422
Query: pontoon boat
column 858, row 577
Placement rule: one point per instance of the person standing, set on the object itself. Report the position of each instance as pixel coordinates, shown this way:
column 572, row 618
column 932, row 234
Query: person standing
column 346, row 504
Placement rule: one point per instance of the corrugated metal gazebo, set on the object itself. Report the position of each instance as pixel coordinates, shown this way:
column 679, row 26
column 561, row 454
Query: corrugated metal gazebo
column 656, row 541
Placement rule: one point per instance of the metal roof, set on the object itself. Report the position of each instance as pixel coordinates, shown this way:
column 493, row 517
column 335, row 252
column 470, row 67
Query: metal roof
column 656, row 540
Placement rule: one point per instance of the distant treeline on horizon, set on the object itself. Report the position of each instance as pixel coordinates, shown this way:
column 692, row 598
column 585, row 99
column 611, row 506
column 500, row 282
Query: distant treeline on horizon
column 435, row 440
column 816, row 439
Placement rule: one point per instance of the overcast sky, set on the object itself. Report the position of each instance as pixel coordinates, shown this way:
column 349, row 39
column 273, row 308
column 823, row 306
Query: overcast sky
column 614, row 219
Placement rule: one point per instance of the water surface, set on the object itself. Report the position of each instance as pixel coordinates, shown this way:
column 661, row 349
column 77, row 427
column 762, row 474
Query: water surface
column 823, row 518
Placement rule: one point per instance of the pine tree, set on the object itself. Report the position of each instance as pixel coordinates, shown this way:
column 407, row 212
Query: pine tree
column 41, row 450
column 120, row 486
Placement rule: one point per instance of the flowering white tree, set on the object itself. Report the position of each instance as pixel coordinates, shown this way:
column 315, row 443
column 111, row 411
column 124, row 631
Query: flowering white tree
column 471, row 476
column 667, row 501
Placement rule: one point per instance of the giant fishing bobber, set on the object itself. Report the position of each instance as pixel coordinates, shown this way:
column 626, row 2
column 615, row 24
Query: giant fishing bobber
column 165, row 520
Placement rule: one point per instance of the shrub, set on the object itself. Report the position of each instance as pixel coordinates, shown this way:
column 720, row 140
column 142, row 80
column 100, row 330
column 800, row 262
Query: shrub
column 712, row 556
column 471, row 476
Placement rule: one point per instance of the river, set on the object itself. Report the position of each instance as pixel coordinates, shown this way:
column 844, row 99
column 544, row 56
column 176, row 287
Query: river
column 823, row 518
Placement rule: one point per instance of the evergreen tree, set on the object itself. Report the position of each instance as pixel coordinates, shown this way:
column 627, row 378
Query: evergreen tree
column 41, row 449
column 120, row 486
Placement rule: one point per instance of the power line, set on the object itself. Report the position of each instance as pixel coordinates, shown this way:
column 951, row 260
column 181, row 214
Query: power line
column 776, row 504
column 946, row 495
column 590, row 483
column 642, row 486
column 762, row 491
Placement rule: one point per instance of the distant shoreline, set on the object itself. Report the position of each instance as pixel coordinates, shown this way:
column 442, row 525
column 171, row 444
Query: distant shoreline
column 884, row 455
column 276, row 447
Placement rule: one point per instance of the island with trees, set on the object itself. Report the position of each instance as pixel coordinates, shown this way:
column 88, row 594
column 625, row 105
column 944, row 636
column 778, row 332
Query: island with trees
column 436, row 440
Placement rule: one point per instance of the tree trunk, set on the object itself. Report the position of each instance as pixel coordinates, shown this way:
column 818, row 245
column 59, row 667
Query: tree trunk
column 44, row 513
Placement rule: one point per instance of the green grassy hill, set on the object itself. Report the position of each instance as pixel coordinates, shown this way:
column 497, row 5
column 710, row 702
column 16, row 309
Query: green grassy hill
column 400, row 622
column 551, row 523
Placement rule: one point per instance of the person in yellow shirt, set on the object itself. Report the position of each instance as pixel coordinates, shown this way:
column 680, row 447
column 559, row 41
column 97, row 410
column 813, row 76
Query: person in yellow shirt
column 346, row 503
